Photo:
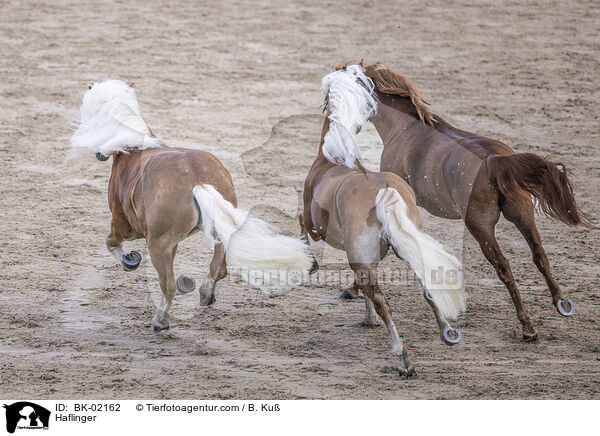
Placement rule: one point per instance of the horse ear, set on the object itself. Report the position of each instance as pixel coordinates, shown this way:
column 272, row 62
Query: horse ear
column 362, row 64
column 5, row 406
column 131, row 84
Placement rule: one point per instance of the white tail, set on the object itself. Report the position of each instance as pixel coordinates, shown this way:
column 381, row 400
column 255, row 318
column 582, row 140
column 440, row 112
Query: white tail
column 439, row 271
column 265, row 259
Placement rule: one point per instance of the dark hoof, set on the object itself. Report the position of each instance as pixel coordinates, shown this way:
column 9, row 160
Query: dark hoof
column 185, row 285
column 565, row 307
column 210, row 301
column 345, row 295
column 406, row 369
column 530, row 337
column 207, row 301
column 131, row 261
column 451, row 336
column 157, row 329
column 101, row 157
column 314, row 268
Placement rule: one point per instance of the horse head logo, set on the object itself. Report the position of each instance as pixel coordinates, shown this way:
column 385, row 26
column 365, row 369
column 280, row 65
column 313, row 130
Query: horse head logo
column 26, row 415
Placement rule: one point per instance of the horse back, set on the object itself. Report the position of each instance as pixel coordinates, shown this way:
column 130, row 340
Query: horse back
column 156, row 183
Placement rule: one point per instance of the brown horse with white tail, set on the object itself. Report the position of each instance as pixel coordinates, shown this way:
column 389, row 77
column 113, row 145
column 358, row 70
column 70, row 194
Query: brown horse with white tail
column 165, row 194
column 364, row 213
column 461, row 175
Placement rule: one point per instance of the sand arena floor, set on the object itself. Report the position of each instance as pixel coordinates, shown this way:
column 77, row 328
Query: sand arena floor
column 243, row 82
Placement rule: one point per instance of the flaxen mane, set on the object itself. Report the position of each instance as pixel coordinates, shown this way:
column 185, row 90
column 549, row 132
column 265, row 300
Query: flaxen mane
column 350, row 97
column 389, row 82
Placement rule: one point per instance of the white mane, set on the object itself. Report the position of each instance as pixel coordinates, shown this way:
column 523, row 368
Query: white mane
column 111, row 121
column 350, row 95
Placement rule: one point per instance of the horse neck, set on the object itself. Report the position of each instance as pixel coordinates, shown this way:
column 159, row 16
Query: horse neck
column 321, row 164
column 395, row 115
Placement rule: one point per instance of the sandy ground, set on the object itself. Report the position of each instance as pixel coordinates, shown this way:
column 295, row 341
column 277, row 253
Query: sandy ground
column 242, row 81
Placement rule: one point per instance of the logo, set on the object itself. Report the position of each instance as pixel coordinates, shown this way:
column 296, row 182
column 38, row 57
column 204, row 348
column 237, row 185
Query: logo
column 26, row 415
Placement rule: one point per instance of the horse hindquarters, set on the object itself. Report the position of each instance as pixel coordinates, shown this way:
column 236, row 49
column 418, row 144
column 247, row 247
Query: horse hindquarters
column 439, row 271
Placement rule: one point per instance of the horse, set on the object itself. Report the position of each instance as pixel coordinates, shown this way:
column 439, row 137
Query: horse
column 456, row 174
column 165, row 194
column 364, row 213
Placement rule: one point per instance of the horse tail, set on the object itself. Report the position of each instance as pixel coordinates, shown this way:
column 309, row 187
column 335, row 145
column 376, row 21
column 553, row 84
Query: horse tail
column 439, row 271
column 522, row 175
column 253, row 249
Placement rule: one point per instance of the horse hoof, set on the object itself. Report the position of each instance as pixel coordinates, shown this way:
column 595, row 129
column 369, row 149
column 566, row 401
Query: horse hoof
column 207, row 302
column 406, row 369
column 530, row 337
column 101, row 157
column 451, row 336
column 158, row 327
column 185, row 285
column 131, row 261
column 314, row 268
column 207, row 292
column 371, row 323
column 345, row 295
column 565, row 307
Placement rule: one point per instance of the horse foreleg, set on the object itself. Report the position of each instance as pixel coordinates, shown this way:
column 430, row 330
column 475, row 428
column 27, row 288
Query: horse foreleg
column 523, row 218
column 162, row 257
column 371, row 318
column 304, row 237
column 484, row 234
column 119, row 232
column 350, row 293
column 218, row 271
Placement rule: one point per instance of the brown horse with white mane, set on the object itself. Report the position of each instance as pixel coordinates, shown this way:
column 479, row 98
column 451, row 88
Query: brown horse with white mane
column 165, row 194
column 460, row 175
column 364, row 213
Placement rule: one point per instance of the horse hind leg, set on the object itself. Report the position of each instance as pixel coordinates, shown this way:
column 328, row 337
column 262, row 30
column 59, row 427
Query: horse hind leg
column 162, row 257
column 185, row 284
column 367, row 282
column 218, row 271
column 449, row 335
column 363, row 258
column 522, row 216
column 483, row 232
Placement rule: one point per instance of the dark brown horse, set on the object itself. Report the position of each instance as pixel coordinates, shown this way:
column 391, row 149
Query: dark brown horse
column 461, row 175
column 165, row 194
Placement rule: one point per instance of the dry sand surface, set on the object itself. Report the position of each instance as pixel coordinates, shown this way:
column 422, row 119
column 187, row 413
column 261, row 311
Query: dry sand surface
column 243, row 82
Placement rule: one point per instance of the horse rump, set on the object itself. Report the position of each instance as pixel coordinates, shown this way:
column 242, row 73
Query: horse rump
column 522, row 175
column 254, row 250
